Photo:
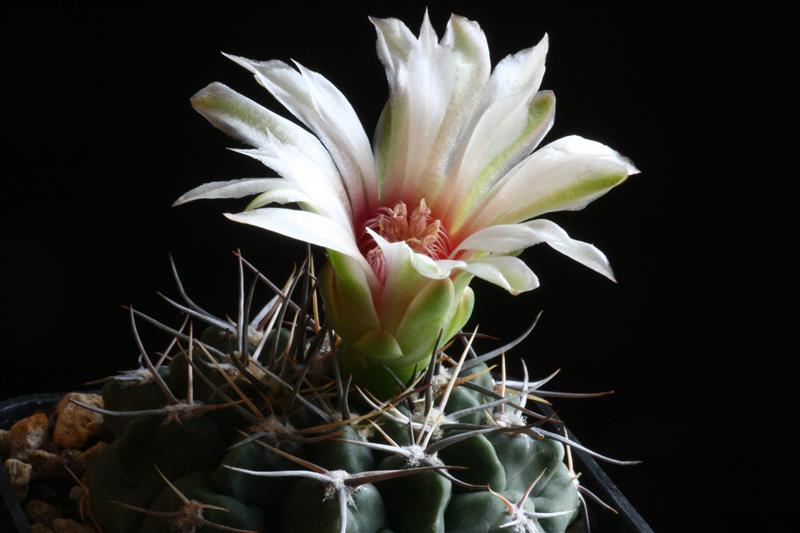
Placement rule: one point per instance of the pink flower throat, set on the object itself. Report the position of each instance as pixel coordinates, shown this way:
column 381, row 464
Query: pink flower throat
column 419, row 230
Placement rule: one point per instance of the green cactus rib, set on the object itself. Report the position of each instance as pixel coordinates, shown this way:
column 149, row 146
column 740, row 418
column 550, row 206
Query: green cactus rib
column 253, row 426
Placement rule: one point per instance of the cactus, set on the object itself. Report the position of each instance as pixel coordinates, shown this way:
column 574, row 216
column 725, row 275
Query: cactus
column 251, row 426
column 374, row 413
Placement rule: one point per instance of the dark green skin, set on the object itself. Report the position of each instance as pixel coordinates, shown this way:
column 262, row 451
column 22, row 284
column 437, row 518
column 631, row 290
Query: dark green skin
column 193, row 455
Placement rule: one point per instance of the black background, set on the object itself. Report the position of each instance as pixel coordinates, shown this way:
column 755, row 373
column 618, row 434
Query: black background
column 99, row 139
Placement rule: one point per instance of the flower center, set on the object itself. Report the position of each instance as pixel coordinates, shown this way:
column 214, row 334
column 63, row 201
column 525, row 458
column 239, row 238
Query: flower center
column 419, row 230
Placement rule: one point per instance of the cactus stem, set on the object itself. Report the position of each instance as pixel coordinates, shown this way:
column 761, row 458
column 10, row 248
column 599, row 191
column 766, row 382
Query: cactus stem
column 381, row 475
column 189, row 517
column 174, row 412
column 173, row 488
column 280, row 361
column 505, row 501
column 455, row 439
column 302, row 462
column 530, row 489
column 521, row 518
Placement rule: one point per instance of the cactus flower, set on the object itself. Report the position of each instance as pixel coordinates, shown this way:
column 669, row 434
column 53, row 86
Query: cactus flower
column 450, row 189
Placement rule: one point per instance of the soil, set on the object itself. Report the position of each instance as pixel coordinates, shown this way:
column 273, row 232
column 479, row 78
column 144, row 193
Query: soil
column 45, row 456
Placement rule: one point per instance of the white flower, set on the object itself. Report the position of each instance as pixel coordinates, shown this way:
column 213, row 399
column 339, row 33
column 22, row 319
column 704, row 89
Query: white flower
column 447, row 192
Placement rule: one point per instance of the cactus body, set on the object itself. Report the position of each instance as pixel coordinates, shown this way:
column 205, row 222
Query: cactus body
column 280, row 440
column 195, row 456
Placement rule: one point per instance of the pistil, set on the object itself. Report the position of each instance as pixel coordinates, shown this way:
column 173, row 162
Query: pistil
column 419, row 230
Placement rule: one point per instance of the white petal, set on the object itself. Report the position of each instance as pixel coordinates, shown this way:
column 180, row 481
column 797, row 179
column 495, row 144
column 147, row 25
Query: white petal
column 514, row 121
column 283, row 196
column 509, row 238
column 396, row 253
column 511, row 273
column 564, row 175
column 324, row 109
column 584, row 253
column 282, row 145
column 304, row 226
column 394, row 42
column 500, row 239
column 324, row 190
column 238, row 188
column 421, row 80
column 496, row 147
column 249, row 122
column 436, row 269
column 520, row 72
column 469, row 51
column 401, row 281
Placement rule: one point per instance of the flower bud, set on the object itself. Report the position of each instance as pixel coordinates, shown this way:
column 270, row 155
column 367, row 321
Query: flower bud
column 395, row 324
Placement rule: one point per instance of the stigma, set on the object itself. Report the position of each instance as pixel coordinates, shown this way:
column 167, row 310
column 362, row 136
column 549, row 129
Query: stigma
column 422, row 233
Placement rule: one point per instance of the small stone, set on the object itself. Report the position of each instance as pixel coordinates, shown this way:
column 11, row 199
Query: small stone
column 77, row 493
column 43, row 462
column 28, row 434
column 76, row 425
column 65, row 525
column 73, row 460
column 5, row 442
column 42, row 512
column 40, row 528
column 19, row 474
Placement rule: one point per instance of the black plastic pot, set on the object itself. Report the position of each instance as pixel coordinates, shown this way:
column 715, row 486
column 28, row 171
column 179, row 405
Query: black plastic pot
column 12, row 519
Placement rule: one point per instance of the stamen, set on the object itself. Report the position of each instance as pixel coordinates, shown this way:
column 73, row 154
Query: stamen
column 419, row 231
